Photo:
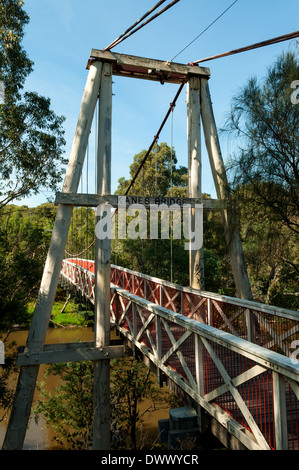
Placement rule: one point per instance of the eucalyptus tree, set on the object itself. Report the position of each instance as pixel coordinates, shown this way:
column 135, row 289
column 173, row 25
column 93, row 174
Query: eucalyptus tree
column 31, row 134
column 159, row 175
column 265, row 119
column 167, row 258
column 264, row 171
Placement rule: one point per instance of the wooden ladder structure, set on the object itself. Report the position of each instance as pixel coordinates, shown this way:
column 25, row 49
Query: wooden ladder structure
column 102, row 65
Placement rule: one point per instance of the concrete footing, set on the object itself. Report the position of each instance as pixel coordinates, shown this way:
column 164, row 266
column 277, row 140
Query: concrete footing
column 180, row 431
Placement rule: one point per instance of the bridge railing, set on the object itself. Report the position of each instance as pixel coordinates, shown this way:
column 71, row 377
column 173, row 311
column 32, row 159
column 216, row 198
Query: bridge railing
column 80, row 274
column 271, row 327
column 251, row 391
column 200, row 340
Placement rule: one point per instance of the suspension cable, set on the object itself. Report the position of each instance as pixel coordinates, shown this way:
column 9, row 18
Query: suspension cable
column 285, row 37
column 133, row 26
column 171, row 214
column 156, row 137
column 209, row 26
column 125, row 36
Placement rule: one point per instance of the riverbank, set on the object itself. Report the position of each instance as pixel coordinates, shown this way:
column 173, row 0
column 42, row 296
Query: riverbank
column 67, row 312
column 38, row 436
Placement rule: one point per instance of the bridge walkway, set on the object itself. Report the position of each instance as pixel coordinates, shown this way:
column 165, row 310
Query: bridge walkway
column 233, row 357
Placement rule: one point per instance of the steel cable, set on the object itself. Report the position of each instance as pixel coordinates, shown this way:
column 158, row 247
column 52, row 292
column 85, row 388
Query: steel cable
column 133, row 26
column 211, row 24
column 131, row 32
column 269, row 42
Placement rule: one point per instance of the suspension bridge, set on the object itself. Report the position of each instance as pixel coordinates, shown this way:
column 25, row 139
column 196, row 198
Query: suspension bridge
column 234, row 358
column 230, row 356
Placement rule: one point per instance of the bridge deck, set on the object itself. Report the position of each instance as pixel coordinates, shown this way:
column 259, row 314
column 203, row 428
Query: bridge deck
column 233, row 380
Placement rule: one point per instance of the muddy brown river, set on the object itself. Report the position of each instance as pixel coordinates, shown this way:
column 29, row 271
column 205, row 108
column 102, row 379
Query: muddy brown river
column 39, row 437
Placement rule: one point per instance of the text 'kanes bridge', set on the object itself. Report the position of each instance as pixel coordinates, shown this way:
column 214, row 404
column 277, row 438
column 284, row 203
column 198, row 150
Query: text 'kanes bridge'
column 233, row 357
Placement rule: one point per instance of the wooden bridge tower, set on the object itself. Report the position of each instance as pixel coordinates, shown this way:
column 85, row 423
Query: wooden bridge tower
column 102, row 66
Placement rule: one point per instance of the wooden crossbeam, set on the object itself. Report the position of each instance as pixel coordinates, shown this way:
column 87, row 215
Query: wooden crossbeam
column 148, row 69
column 94, row 200
column 70, row 352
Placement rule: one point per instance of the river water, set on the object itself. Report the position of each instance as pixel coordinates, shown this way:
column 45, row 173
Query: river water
column 39, row 437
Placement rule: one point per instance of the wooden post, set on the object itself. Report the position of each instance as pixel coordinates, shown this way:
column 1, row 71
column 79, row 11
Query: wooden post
column 199, row 372
column 196, row 258
column 209, row 313
column 20, row 414
column 134, row 326
column 280, row 412
column 232, row 234
column 159, row 349
column 101, row 418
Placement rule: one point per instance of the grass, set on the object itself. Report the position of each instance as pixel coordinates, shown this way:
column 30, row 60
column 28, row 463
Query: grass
column 72, row 316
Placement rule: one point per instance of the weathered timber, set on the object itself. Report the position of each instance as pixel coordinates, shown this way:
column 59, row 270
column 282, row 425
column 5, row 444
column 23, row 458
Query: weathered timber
column 196, row 258
column 20, row 414
column 282, row 367
column 147, row 69
column 101, row 393
column 231, row 230
column 94, row 200
column 280, row 412
column 262, row 356
column 74, row 352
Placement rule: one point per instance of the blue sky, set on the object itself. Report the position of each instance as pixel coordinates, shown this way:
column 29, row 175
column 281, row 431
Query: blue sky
column 61, row 34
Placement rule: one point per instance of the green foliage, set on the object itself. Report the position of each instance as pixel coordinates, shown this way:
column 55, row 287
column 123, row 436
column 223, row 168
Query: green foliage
column 131, row 385
column 272, row 255
column 6, row 369
column 165, row 258
column 15, row 66
column 266, row 165
column 69, row 410
column 265, row 181
column 82, row 232
column 218, row 273
column 24, row 240
column 73, row 314
column 153, row 257
column 31, row 135
column 159, row 175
